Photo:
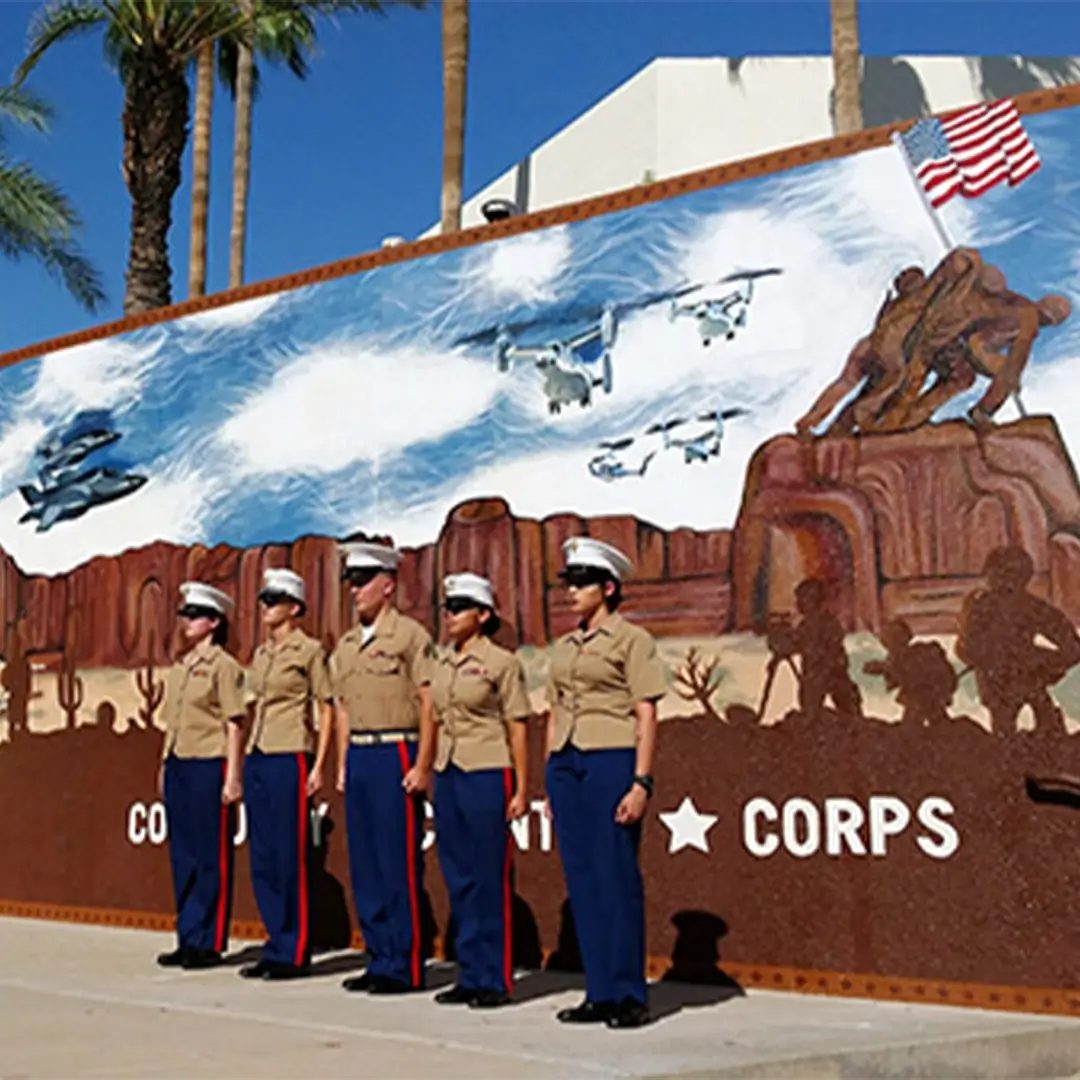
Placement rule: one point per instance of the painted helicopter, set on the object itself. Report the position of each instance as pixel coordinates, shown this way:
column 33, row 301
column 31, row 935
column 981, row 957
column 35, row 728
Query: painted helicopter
column 721, row 316
column 703, row 446
column 565, row 357
column 609, row 466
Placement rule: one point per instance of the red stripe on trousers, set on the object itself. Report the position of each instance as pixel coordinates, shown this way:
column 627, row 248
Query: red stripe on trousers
column 301, row 828
column 223, row 872
column 410, row 869
column 508, row 893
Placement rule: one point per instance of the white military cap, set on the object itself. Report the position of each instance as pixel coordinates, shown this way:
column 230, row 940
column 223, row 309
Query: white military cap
column 371, row 557
column 284, row 582
column 196, row 594
column 584, row 551
column 470, row 587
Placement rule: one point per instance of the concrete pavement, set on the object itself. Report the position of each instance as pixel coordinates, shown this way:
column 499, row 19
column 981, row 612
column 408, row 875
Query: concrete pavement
column 78, row 1001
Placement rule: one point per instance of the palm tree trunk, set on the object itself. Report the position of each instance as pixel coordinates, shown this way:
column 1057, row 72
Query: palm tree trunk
column 200, row 169
column 455, row 44
column 847, row 64
column 241, row 159
column 155, row 126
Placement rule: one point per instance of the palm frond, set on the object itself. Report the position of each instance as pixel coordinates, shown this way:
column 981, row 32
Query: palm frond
column 38, row 221
column 25, row 108
column 57, row 20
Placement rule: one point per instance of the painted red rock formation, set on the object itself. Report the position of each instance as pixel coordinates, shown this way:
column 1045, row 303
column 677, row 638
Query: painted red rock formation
column 900, row 525
column 118, row 612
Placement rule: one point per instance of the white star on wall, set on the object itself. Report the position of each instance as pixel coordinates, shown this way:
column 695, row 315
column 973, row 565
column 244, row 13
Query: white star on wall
column 688, row 827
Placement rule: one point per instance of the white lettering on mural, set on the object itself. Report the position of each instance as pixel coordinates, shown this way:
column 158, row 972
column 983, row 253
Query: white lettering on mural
column 799, row 826
column 521, row 829
column 148, row 824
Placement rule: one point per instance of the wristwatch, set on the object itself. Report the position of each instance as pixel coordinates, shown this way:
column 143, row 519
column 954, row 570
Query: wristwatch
column 646, row 782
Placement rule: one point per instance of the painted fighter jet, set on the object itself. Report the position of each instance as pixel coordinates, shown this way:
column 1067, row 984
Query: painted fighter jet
column 86, row 433
column 77, row 495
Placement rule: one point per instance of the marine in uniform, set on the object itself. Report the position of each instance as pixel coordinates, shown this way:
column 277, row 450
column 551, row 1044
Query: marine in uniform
column 287, row 683
column 605, row 680
column 200, row 777
column 480, row 702
column 380, row 674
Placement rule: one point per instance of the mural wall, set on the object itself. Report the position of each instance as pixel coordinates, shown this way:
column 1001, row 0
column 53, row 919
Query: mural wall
column 831, row 421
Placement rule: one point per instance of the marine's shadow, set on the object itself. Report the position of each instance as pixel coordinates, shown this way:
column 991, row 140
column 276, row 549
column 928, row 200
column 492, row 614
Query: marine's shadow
column 695, row 977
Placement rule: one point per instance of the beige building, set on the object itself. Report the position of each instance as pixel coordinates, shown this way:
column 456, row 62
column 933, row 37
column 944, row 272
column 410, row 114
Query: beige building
column 680, row 115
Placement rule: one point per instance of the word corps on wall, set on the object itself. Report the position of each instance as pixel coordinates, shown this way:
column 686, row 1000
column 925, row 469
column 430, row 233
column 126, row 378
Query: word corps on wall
column 841, row 825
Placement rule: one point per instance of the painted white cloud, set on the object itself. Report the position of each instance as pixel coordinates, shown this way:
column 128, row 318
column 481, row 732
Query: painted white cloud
column 172, row 507
column 17, row 445
column 229, row 316
column 524, row 268
column 99, row 375
column 347, row 403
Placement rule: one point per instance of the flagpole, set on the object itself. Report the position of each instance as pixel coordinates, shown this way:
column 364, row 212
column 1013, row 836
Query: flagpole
column 943, row 236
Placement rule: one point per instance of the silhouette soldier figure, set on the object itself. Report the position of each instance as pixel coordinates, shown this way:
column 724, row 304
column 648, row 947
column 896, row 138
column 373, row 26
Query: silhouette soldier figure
column 999, row 626
column 818, row 640
column 919, row 671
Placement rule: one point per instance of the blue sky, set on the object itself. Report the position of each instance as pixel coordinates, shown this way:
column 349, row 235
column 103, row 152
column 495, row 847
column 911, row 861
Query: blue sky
column 354, row 154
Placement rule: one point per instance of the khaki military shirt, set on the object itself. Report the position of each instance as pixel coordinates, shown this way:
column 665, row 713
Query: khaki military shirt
column 376, row 682
column 597, row 677
column 204, row 691
column 283, row 682
column 475, row 694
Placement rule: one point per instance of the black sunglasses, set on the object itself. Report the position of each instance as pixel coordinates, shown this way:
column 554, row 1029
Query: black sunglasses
column 358, row 578
column 193, row 611
column 272, row 599
column 581, row 577
column 455, row 605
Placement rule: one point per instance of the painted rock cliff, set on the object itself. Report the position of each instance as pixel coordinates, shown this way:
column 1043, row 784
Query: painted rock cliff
column 900, row 525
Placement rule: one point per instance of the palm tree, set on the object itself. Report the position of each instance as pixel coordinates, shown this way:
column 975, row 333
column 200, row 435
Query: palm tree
column 150, row 43
column 278, row 31
column 455, row 47
column 281, row 32
column 36, row 219
column 200, row 168
column 847, row 65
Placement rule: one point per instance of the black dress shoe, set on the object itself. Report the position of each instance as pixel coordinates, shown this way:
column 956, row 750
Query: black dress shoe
column 253, row 971
column 628, row 1014
column 357, row 983
column 383, row 984
column 277, row 969
column 490, row 999
column 455, row 995
column 197, row 959
column 588, row 1012
column 175, row 958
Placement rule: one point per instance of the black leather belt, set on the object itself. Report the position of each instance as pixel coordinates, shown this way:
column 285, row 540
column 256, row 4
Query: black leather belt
column 377, row 738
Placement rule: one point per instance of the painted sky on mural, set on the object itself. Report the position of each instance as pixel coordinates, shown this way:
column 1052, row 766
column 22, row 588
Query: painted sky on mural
column 345, row 407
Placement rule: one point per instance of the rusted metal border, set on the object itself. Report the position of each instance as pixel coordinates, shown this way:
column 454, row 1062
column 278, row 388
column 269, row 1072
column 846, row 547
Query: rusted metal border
column 1037, row 101
column 1027, row 999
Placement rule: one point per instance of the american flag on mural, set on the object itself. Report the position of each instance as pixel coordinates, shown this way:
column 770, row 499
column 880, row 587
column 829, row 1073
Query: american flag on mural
column 969, row 152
